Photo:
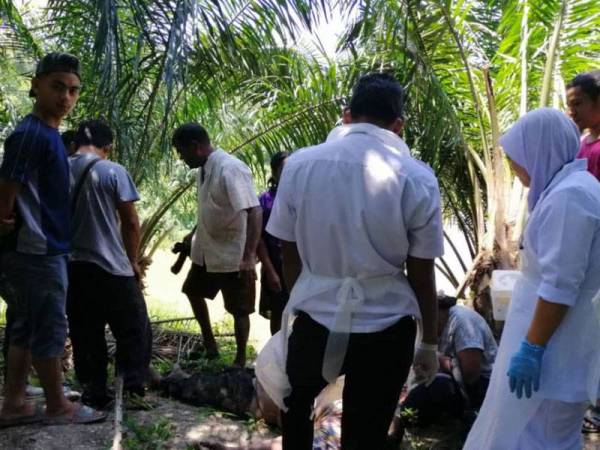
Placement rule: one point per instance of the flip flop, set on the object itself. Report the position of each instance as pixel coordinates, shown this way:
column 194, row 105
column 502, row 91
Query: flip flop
column 36, row 417
column 590, row 426
column 82, row 415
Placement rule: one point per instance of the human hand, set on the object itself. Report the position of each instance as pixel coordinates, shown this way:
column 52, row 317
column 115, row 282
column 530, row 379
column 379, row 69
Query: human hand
column 7, row 226
column 273, row 281
column 425, row 363
column 445, row 363
column 248, row 263
column 248, row 269
column 524, row 369
column 138, row 274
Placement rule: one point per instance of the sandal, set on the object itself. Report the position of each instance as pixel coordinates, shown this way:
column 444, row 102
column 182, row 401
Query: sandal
column 590, row 426
column 29, row 419
column 81, row 415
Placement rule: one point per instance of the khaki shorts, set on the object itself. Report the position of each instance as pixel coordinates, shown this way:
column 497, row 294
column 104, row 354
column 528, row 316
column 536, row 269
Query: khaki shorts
column 239, row 293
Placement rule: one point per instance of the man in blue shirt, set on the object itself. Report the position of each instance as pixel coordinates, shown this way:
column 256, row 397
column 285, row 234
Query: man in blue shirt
column 34, row 222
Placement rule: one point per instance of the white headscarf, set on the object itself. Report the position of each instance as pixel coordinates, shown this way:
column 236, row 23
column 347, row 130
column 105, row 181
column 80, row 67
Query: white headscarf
column 542, row 142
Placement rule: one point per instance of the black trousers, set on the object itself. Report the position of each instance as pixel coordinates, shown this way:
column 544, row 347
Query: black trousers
column 96, row 298
column 429, row 403
column 376, row 366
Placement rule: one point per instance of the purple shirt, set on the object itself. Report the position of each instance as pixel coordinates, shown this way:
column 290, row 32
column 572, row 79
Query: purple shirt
column 267, row 199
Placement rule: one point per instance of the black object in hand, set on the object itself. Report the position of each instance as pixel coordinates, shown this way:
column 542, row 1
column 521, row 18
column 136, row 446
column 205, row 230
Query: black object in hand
column 184, row 251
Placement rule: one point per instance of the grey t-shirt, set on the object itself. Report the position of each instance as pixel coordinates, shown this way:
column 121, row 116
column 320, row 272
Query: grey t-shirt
column 467, row 329
column 95, row 224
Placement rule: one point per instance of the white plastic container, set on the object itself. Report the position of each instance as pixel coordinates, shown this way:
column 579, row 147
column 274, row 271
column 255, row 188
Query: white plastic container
column 503, row 283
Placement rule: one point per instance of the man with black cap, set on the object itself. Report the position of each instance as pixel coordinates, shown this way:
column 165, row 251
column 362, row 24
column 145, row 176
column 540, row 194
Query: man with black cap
column 34, row 223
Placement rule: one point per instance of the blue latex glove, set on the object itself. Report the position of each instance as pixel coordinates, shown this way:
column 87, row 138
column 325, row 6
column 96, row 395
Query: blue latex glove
column 524, row 369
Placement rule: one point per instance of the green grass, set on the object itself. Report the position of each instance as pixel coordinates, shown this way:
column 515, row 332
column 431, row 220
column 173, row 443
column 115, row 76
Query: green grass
column 153, row 436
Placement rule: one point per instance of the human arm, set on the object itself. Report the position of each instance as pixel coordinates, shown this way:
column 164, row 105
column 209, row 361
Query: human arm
column 253, row 230
column 469, row 360
column 421, row 277
column 9, row 190
column 131, row 233
column 563, row 263
column 292, row 263
column 273, row 280
column 547, row 318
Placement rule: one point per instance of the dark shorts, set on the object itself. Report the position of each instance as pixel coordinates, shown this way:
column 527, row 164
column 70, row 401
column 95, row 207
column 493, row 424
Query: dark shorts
column 239, row 293
column 38, row 318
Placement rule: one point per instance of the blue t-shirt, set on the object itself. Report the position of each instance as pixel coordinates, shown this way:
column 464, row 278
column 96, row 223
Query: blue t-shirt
column 96, row 231
column 35, row 156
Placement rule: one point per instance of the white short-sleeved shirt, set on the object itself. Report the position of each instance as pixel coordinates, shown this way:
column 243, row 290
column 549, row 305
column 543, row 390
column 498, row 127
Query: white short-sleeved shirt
column 223, row 198
column 357, row 206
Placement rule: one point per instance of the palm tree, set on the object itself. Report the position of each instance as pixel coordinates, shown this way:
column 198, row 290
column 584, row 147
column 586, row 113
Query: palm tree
column 150, row 65
column 472, row 68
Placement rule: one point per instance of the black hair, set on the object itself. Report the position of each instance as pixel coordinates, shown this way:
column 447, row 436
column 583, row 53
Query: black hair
column 588, row 82
column 56, row 62
column 190, row 132
column 93, row 132
column 68, row 137
column 276, row 161
column 446, row 301
column 378, row 96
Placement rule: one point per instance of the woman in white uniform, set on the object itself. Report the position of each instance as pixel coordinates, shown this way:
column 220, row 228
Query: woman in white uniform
column 547, row 366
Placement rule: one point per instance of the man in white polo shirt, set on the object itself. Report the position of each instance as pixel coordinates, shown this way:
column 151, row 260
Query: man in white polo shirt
column 361, row 225
column 226, row 237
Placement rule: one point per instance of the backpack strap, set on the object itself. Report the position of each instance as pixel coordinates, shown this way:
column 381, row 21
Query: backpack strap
column 79, row 185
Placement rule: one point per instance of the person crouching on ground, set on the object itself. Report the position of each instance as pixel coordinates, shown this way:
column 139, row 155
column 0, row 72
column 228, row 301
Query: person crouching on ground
column 467, row 353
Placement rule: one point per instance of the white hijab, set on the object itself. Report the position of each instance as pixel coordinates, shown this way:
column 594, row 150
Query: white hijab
column 542, row 142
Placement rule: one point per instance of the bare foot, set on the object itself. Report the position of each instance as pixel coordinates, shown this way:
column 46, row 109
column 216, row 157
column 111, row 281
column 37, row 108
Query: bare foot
column 239, row 362
column 25, row 410
column 67, row 408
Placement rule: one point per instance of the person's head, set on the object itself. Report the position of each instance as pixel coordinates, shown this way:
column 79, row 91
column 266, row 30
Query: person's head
column 538, row 146
column 377, row 98
column 68, row 138
column 192, row 144
column 277, row 163
column 583, row 100
column 56, row 85
column 96, row 135
column 445, row 302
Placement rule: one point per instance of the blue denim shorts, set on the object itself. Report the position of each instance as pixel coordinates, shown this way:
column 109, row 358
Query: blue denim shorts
column 39, row 320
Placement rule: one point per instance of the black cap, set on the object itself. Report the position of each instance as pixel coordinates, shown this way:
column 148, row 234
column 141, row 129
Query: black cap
column 57, row 62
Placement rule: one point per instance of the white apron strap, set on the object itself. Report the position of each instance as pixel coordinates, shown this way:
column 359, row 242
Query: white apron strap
column 350, row 297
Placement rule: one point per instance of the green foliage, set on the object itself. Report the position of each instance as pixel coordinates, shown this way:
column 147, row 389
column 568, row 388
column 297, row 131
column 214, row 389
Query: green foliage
column 152, row 436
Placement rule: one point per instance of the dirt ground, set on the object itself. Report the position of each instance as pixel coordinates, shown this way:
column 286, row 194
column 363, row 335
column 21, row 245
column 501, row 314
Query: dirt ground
column 170, row 425
column 173, row 425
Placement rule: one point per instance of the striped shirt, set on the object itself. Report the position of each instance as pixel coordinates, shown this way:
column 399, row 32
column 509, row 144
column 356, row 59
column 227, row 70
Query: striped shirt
column 34, row 155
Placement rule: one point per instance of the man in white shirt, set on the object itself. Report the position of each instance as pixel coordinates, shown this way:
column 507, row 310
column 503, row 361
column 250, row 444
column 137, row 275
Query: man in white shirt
column 226, row 237
column 353, row 213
